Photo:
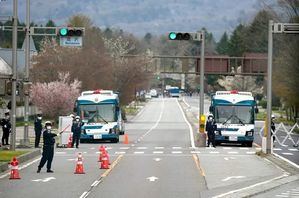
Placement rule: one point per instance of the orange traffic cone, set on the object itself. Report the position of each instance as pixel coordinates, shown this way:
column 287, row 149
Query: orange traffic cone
column 79, row 166
column 105, row 162
column 126, row 141
column 69, row 144
column 14, row 172
column 101, row 149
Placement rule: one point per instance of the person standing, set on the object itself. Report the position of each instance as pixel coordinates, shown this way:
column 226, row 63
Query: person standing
column 273, row 127
column 210, row 128
column 48, row 148
column 6, row 128
column 76, row 130
column 38, row 129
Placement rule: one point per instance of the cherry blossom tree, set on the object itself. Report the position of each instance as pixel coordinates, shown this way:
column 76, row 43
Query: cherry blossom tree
column 57, row 97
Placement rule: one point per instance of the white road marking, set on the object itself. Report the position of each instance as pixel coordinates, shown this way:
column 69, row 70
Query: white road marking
column 277, row 149
column 141, row 148
column 109, row 148
column 98, row 152
column 152, row 178
column 282, row 195
column 124, row 148
column 210, row 148
column 287, row 153
column 95, row 183
column 229, row 158
column 59, row 152
column 92, row 148
column 227, row 148
column 176, row 152
column 293, row 149
column 176, row 147
column 139, row 152
column 233, row 152
column 159, row 147
column 189, row 125
column 70, row 148
column 214, row 152
column 120, row 152
column 72, row 159
column 84, row 194
column 158, row 152
column 233, row 177
column 157, row 159
column 44, row 180
column 250, row 152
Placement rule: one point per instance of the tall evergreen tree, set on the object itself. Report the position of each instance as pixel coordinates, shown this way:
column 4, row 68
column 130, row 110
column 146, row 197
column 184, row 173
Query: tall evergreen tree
column 223, row 45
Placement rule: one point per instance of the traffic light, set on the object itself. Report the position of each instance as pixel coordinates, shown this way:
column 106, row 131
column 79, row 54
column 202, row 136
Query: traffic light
column 184, row 36
column 202, row 123
column 70, row 31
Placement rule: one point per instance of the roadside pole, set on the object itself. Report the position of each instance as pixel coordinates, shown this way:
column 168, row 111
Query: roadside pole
column 25, row 142
column 14, row 76
column 202, row 134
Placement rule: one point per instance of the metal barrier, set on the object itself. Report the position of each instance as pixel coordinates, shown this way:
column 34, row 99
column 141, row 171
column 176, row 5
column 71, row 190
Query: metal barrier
column 281, row 128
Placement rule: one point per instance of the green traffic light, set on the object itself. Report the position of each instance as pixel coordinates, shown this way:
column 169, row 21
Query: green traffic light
column 172, row 35
column 63, row 31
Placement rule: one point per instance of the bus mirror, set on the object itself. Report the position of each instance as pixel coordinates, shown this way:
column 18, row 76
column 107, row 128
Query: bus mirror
column 256, row 110
column 211, row 109
column 117, row 108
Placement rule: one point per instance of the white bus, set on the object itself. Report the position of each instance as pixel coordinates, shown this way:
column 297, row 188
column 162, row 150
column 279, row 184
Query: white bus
column 234, row 114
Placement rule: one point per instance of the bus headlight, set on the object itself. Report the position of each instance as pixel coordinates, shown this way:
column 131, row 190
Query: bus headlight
column 249, row 133
column 112, row 130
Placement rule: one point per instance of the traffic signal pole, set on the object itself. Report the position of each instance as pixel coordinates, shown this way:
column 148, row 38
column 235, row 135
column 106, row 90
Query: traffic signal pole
column 14, row 76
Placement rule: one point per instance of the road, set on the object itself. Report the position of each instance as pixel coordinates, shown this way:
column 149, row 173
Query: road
column 159, row 161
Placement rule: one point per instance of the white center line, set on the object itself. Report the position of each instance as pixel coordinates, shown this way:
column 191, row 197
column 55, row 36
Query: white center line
column 176, row 147
column 176, row 152
column 139, row 152
column 124, row 148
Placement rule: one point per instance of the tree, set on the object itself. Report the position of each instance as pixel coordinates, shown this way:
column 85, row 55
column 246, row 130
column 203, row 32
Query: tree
column 223, row 45
column 236, row 43
column 80, row 20
column 56, row 98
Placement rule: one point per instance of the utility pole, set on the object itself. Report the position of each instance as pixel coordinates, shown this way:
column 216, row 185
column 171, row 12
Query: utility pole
column 14, row 75
column 26, row 142
column 202, row 70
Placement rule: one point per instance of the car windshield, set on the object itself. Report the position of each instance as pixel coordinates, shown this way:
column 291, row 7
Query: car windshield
column 234, row 114
column 98, row 113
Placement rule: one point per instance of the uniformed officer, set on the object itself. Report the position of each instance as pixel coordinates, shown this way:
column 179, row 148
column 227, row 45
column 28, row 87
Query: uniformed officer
column 6, row 128
column 76, row 129
column 48, row 148
column 38, row 127
column 272, row 126
column 210, row 128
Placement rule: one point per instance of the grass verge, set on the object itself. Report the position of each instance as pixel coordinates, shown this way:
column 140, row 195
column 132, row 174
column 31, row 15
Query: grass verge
column 6, row 156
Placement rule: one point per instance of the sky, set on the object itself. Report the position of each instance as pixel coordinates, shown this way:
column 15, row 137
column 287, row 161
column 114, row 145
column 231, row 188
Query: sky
column 141, row 16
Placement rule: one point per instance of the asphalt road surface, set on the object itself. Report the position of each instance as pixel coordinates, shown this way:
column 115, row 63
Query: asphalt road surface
column 159, row 161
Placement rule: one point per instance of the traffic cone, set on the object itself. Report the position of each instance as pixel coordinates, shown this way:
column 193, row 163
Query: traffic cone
column 69, row 144
column 79, row 166
column 14, row 171
column 126, row 141
column 102, row 152
column 105, row 162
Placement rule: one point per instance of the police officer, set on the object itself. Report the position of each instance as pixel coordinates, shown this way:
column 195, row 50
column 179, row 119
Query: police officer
column 76, row 129
column 38, row 129
column 272, row 126
column 48, row 148
column 210, row 128
column 6, row 128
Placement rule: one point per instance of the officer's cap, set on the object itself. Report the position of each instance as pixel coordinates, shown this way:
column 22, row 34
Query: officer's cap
column 7, row 113
column 211, row 116
column 48, row 123
column 77, row 117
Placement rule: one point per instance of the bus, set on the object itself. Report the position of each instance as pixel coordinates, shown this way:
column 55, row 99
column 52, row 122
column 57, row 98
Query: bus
column 100, row 113
column 234, row 115
column 174, row 92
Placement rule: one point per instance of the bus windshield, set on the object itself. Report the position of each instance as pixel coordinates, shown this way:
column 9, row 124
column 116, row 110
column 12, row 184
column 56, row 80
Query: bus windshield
column 98, row 113
column 234, row 114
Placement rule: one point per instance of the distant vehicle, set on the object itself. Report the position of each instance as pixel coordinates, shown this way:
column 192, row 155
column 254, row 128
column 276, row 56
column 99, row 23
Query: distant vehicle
column 174, row 92
column 154, row 93
column 101, row 114
column 148, row 96
column 234, row 114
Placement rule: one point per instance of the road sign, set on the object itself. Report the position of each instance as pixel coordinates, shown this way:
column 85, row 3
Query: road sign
column 73, row 41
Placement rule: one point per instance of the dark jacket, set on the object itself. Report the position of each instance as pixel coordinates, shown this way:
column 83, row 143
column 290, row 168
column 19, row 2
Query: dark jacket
column 272, row 126
column 48, row 137
column 38, row 125
column 6, row 125
column 76, row 128
column 211, row 126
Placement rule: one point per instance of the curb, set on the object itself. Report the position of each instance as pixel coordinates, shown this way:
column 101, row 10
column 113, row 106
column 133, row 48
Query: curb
column 22, row 158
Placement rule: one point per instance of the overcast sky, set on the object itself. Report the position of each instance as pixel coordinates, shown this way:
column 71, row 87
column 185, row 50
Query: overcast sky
column 142, row 16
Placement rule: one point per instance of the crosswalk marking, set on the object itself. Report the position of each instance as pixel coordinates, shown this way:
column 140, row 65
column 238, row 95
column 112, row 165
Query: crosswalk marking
column 139, row 152
column 176, row 152
column 176, row 147
column 141, row 148
column 277, row 149
column 158, row 152
column 293, row 149
column 124, row 148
